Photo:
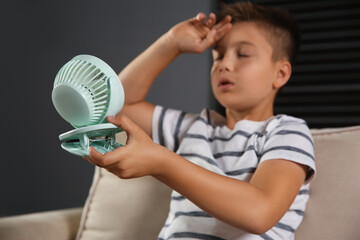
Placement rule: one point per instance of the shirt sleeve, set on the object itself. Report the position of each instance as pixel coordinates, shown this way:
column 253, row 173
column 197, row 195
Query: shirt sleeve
column 293, row 142
column 169, row 126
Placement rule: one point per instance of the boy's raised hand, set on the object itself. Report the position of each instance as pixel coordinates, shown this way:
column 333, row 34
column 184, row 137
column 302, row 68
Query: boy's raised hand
column 198, row 34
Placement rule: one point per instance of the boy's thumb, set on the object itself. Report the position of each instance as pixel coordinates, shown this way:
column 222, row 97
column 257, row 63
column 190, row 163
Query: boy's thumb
column 111, row 119
column 122, row 122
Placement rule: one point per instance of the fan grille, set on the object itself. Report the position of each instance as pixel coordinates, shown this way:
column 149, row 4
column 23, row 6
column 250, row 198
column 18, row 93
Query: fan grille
column 91, row 82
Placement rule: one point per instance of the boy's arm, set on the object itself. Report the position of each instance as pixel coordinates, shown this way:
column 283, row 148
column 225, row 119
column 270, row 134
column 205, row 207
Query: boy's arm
column 193, row 35
column 254, row 207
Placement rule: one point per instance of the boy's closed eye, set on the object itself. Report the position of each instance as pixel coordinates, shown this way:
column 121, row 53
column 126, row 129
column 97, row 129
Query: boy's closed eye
column 245, row 51
column 241, row 54
column 217, row 55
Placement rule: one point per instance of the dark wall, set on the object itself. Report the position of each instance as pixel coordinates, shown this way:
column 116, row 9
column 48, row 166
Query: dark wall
column 37, row 38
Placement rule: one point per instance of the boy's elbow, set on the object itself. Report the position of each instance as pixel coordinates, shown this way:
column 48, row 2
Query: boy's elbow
column 266, row 220
column 262, row 221
column 257, row 227
column 260, row 228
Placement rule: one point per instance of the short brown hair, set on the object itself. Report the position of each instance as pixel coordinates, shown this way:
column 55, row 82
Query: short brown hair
column 282, row 28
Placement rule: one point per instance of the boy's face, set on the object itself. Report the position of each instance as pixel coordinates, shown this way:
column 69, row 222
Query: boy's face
column 243, row 71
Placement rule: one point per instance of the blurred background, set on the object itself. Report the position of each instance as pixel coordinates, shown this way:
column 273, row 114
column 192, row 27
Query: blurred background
column 39, row 37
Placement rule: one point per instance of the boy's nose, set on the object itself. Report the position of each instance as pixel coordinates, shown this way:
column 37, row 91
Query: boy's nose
column 226, row 64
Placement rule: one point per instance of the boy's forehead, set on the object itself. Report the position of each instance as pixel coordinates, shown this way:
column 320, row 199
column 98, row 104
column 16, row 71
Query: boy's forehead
column 244, row 33
column 219, row 45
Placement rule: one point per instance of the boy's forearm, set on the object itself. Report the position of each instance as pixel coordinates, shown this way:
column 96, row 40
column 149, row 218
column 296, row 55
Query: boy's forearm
column 233, row 201
column 139, row 75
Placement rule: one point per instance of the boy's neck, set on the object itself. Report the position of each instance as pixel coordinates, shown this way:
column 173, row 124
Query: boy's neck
column 233, row 116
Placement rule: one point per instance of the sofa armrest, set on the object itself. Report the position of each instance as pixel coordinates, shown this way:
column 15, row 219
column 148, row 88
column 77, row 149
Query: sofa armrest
column 50, row 225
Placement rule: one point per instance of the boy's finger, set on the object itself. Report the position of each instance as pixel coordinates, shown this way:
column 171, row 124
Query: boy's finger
column 211, row 20
column 221, row 31
column 123, row 122
column 101, row 160
column 209, row 40
column 225, row 21
column 94, row 156
column 200, row 17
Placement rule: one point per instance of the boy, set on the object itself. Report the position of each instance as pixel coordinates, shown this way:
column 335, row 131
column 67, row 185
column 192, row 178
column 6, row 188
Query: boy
column 245, row 176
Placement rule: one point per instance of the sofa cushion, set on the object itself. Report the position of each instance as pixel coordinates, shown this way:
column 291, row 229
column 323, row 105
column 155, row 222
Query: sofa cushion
column 50, row 225
column 333, row 211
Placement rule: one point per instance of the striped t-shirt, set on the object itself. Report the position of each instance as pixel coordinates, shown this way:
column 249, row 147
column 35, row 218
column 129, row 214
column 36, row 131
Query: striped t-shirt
column 206, row 141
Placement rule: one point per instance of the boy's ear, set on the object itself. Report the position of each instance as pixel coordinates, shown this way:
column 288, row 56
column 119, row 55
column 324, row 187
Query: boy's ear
column 283, row 73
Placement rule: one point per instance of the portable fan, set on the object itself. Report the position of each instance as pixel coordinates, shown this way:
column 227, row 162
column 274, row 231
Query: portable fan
column 86, row 91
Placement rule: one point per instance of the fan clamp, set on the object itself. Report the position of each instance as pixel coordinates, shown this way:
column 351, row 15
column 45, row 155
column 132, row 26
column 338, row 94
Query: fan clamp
column 102, row 137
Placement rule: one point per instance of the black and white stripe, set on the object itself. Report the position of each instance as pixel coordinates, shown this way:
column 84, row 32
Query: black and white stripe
column 218, row 138
column 291, row 149
column 193, row 235
column 160, row 127
column 177, row 130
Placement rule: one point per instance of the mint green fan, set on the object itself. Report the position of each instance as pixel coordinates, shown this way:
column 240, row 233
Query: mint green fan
column 86, row 91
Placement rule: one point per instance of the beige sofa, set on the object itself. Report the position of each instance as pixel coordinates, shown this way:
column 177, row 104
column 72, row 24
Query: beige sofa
column 136, row 209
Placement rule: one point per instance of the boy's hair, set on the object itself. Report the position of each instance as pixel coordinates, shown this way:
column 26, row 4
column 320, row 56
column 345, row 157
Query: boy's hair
column 282, row 29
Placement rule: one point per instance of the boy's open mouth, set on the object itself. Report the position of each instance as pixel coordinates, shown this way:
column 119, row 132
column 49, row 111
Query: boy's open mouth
column 225, row 83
